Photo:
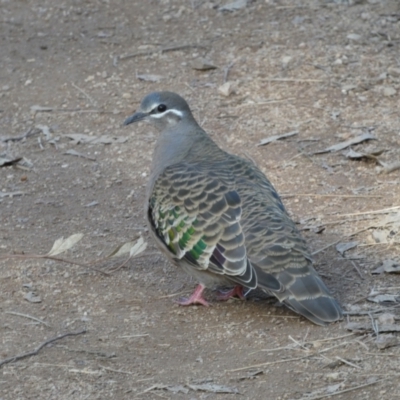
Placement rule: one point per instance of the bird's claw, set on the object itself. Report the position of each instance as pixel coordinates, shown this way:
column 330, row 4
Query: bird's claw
column 236, row 291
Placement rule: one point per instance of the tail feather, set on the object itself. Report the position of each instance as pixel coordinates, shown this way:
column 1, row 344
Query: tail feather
column 322, row 310
column 304, row 292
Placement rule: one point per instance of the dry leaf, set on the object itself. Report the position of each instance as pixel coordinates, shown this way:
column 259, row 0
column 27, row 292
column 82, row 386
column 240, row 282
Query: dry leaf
column 72, row 152
column 212, row 388
column 388, row 91
column 380, row 236
column 133, row 248
column 61, row 245
column 251, row 375
column 201, row 64
column 343, row 247
column 149, row 77
column 390, row 167
column 354, row 36
column 389, row 266
column 103, row 34
column 341, row 146
column 333, row 388
column 234, row 6
column 385, row 341
column 226, row 89
column 138, row 248
column 46, row 131
column 32, row 297
column 383, row 298
column 355, row 155
column 170, row 388
column 92, row 204
column 10, row 194
column 386, row 318
column 389, row 229
column 37, row 108
column 277, row 137
column 7, row 162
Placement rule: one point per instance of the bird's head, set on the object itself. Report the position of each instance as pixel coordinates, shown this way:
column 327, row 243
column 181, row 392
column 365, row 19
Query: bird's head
column 161, row 109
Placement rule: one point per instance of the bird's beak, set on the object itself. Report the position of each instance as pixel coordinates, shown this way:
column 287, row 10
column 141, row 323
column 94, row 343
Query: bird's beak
column 138, row 116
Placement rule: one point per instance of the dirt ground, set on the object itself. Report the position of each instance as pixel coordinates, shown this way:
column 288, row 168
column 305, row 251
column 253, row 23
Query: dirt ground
column 327, row 70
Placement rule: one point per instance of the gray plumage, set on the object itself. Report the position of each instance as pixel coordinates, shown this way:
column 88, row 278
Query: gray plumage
column 218, row 217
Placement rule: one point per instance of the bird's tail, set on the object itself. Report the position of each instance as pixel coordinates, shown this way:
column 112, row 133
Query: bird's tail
column 303, row 291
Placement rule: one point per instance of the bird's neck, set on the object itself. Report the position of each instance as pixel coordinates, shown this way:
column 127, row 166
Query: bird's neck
column 174, row 145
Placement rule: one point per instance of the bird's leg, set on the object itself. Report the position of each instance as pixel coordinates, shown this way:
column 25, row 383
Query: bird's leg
column 236, row 291
column 195, row 298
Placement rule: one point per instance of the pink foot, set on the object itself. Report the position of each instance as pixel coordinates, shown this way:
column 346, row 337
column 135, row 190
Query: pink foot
column 236, row 291
column 195, row 298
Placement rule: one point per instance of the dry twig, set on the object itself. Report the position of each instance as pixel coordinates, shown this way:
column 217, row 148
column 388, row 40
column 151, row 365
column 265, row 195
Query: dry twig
column 291, row 80
column 348, row 362
column 26, row 256
column 40, row 347
column 84, row 93
column 162, row 50
column 171, row 295
column 30, row 132
column 227, row 70
column 356, row 196
column 344, row 237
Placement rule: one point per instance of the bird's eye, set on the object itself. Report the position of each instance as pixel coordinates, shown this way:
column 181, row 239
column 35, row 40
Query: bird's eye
column 161, row 108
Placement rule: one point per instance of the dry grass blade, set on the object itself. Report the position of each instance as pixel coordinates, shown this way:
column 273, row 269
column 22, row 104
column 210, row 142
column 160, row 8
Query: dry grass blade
column 266, row 364
column 28, row 316
column 118, row 371
column 333, row 338
column 382, row 211
column 323, row 396
column 30, row 132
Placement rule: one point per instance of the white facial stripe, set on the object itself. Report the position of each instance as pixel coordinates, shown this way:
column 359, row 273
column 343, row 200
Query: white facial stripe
column 172, row 111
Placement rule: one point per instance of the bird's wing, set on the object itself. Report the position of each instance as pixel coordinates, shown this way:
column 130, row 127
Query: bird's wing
column 197, row 219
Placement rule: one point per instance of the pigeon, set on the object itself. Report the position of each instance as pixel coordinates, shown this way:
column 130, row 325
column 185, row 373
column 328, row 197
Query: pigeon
column 218, row 217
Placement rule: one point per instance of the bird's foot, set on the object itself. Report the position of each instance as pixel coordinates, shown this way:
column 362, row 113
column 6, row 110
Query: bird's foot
column 195, row 298
column 236, row 291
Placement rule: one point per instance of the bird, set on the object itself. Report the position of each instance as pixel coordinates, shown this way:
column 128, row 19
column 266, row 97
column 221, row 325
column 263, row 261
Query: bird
column 219, row 218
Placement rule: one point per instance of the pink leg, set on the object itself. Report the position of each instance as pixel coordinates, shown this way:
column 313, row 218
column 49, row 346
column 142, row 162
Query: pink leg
column 236, row 291
column 195, row 298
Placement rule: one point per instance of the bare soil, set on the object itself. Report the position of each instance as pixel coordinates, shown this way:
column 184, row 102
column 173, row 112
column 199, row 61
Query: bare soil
column 326, row 69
